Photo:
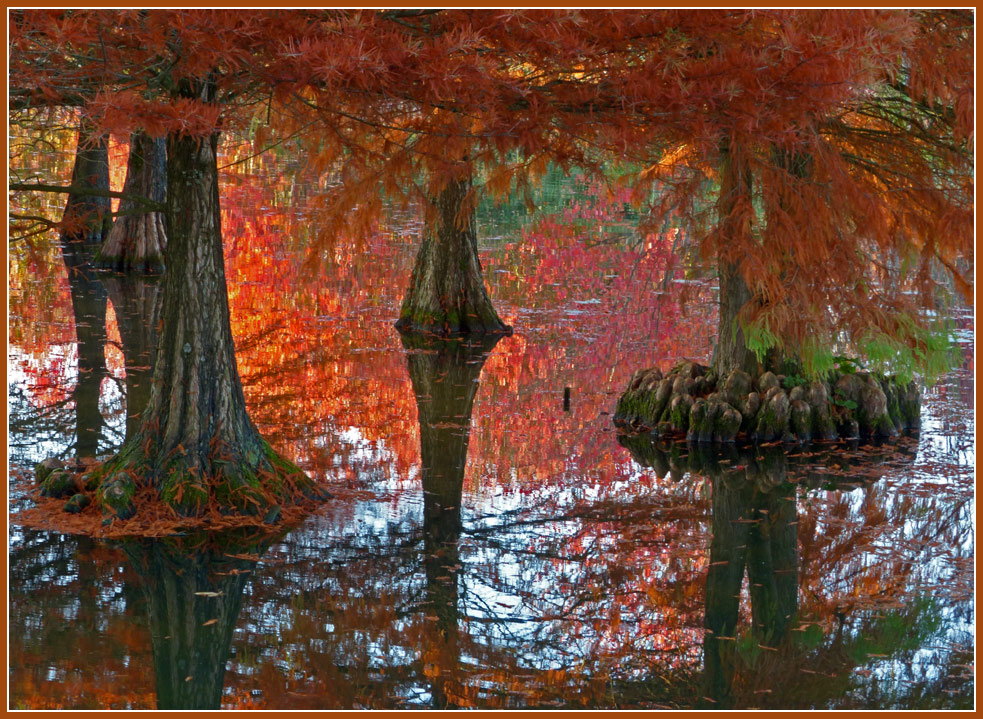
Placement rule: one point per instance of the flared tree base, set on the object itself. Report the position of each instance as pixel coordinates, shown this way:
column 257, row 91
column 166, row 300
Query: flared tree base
column 451, row 323
column 692, row 402
column 257, row 485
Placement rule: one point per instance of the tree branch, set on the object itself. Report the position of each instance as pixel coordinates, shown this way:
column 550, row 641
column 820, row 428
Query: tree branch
column 85, row 192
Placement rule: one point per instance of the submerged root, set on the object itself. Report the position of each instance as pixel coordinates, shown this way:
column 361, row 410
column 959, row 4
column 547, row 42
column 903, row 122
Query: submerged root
column 691, row 401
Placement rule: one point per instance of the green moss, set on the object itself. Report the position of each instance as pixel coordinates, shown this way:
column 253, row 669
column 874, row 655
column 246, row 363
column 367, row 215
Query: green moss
column 638, row 406
column 59, row 483
column 679, row 412
column 115, row 494
column 77, row 503
column 727, row 426
column 284, row 469
column 239, row 491
column 772, row 419
column 43, row 470
column 185, row 493
column 823, row 426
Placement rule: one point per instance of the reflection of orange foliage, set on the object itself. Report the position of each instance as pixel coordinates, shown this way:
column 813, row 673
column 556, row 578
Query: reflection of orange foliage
column 318, row 354
column 120, row 679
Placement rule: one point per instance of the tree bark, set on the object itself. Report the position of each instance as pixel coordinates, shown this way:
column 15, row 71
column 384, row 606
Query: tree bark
column 138, row 239
column 447, row 294
column 196, row 443
column 87, row 218
column 731, row 351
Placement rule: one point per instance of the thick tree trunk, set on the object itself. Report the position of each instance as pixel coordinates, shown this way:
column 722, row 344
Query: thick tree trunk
column 138, row 239
column 445, row 376
column 196, row 443
column 447, row 293
column 731, row 351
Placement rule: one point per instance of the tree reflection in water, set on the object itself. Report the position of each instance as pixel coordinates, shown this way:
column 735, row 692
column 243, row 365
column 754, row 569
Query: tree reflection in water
column 137, row 302
column 786, row 658
column 585, row 579
column 89, row 307
column 194, row 590
column 444, row 374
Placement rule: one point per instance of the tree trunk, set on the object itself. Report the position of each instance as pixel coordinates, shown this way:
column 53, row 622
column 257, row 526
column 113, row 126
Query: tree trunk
column 137, row 240
column 196, row 443
column 87, row 219
column 734, row 209
column 445, row 381
column 447, row 293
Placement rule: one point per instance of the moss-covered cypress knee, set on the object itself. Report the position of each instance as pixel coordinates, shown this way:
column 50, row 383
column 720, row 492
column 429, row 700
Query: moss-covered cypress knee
column 42, row 470
column 59, row 483
column 115, row 494
column 77, row 503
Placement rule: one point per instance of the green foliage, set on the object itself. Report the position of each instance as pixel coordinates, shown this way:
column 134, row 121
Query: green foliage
column 794, row 380
column 816, row 359
column 912, row 349
column 846, row 365
column 927, row 351
column 759, row 338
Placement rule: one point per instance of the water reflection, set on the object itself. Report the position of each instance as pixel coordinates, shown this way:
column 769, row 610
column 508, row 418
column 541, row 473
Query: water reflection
column 137, row 304
column 89, row 307
column 785, row 657
column 194, row 592
column 444, row 374
column 567, row 571
column 758, row 530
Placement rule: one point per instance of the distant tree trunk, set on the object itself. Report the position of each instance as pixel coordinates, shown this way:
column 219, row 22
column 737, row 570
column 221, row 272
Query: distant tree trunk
column 87, row 219
column 196, row 443
column 136, row 302
column 447, row 293
column 138, row 239
column 445, row 382
column 731, row 351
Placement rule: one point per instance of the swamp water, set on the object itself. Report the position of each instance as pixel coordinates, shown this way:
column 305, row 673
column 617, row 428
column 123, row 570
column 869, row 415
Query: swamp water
column 484, row 547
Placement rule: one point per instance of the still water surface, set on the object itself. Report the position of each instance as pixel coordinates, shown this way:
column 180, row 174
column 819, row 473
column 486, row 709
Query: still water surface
column 485, row 547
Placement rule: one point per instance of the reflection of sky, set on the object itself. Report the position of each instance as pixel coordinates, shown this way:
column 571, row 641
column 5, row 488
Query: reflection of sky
column 551, row 559
column 532, row 558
